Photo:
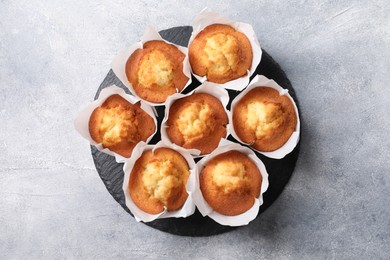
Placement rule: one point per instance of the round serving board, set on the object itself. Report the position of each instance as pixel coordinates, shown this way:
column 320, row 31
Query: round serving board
column 279, row 171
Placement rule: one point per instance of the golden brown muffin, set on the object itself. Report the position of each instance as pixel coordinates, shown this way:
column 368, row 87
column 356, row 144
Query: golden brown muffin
column 156, row 71
column 264, row 119
column 159, row 180
column 221, row 53
column 120, row 125
column 230, row 182
column 197, row 121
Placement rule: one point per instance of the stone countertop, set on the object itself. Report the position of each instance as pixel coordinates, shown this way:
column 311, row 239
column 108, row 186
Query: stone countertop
column 54, row 55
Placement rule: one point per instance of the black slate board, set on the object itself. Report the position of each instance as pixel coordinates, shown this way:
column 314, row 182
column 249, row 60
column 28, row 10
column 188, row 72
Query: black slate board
column 279, row 171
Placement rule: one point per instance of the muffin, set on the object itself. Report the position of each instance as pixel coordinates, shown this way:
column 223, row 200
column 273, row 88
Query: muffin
column 159, row 180
column 230, row 182
column 198, row 122
column 156, row 71
column 221, row 53
column 264, row 119
column 119, row 125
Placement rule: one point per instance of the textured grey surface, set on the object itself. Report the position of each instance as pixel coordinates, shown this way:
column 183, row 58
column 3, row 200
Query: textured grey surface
column 54, row 55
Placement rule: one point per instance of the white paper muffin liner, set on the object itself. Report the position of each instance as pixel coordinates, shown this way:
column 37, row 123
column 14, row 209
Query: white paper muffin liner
column 118, row 65
column 220, row 93
column 206, row 210
column 81, row 122
column 262, row 81
column 140, row 215
column 206, row 18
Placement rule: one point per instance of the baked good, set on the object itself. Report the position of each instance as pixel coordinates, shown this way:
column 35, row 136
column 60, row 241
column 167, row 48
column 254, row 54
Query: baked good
column 197, row 121
column 230, row 182
column 221, row 53
column 156, row 71
column 264, row 119
column 159, row 180
column 120, row 125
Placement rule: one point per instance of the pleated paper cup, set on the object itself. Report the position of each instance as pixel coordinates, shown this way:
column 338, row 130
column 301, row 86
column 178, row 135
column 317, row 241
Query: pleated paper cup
column 219, row 93
column 288, row 147
column 206, row 18
column 118, row 65
column 81, row 122
column 206, row 210
column 186, row 210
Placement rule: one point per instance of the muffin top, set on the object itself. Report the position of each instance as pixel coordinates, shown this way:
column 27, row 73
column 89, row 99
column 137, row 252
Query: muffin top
column 156, row 71
column 264, row 119
column 230, row 182
column 198, row 122
column 221, row 53
column 119, row 125
column 159, row 180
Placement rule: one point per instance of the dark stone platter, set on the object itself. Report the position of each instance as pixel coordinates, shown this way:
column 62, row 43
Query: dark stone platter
column 279, row 171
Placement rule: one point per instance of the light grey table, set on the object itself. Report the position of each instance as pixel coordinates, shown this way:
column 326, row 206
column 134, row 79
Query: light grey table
column 54, row 55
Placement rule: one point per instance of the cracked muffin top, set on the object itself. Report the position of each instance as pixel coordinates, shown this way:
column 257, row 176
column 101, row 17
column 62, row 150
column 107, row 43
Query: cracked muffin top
column 156, row 71
column 230, row 182
column 119, row 125
column 264, row 119
column 221, row 53
column 159, row 180
column 198, row 122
